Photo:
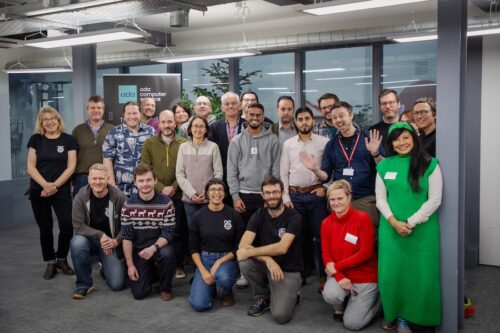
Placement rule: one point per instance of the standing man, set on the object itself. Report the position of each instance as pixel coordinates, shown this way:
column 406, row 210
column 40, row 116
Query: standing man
column 270, row 255
column 351, row 155
column 96, row 223
column 247, row 98
column 122, row 148
column 285, row 128
column 388, row 100
column 424, row 113
column 148, row 108
column 303, row 190
column 326, row 127
column 90, row 136
column 225, row 129
column 203, row 109
column 148, row 227
column 160, row 152
column 253, row 156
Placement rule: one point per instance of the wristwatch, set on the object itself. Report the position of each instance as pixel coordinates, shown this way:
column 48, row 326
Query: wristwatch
column 157, row 247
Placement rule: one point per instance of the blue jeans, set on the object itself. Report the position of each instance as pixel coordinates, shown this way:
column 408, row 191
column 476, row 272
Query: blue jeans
column 190, row 209
column 79, row 181
column 313, row 211
column 200, row 297
column 82, row 251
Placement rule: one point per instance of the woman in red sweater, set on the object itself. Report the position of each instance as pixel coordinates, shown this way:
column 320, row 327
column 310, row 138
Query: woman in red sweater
column 347, row 237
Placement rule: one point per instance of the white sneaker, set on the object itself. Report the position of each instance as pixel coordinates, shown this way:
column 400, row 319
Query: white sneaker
column 242, row 283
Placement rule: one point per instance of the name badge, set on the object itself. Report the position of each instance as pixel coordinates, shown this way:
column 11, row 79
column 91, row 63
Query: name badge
column 348, row 172
column 253, row 151
column 390, row 175
column 351, row 238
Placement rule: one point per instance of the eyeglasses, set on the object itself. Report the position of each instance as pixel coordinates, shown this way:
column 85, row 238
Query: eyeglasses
column 46, row 120
column 419, row 113
column 389, row 103
column 249, row 100
column 326, row 108
column 198, row 126
column 216, row 190
column 202, row 103
column 273, row 193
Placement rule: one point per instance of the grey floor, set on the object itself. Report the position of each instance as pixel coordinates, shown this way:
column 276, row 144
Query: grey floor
column 30, row 304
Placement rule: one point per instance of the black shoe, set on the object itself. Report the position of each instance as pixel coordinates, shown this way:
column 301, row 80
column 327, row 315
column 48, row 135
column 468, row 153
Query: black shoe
column 50, row 271
column 259, row 307
column 338, row 317
column 81, row 293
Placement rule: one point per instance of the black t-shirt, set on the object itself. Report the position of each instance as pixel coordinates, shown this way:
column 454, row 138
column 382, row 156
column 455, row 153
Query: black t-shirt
column 383, row 129
column 269, row 230
column 215, row 231
column 51, row 157
column 99, row 213
column 428, row 142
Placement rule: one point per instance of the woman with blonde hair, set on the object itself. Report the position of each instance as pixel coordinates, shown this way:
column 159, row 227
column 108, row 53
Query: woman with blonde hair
column 347, row 243
column 51, row 162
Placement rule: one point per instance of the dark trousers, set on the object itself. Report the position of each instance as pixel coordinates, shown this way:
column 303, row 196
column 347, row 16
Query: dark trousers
column 165, row 259
column 313, row 211
column 252, row 201
column 42, row 210
column 80, row 180
column 181, row 233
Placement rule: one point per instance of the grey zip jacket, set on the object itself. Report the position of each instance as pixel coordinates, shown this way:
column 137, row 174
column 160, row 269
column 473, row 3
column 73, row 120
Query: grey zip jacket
column 81, row 213
column 252, row 159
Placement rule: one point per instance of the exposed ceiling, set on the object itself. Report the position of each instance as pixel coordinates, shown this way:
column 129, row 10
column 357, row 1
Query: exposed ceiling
column 217, row 24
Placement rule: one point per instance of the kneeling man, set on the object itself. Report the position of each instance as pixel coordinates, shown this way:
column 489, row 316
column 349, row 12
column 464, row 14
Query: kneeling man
column 148, row 226
column 273, row 268
column 96, row 224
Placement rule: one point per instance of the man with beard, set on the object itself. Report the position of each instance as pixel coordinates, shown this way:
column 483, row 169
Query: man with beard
column 303, row 190
column 148, row 226
column 253, row 156
column 285, row 128
column 270, row 255
column 389, row 106
column 351, row 155
column 326, row 128
column 148, row 108
column 122, row 148
column 160, row 151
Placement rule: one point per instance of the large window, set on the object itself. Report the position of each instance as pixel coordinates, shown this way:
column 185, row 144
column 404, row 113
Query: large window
column 148, row 69
column 345, row 72
column 28, row 93
column 410, row 69
column 270, row 76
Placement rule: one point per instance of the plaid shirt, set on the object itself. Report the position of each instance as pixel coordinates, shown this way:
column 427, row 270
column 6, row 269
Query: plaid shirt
column 323, row 129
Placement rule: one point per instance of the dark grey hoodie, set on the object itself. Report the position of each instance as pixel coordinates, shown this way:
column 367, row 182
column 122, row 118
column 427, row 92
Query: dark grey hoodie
column 252, row 159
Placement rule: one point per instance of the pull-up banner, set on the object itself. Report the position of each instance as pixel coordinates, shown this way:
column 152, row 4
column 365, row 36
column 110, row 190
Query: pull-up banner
column 119, row 89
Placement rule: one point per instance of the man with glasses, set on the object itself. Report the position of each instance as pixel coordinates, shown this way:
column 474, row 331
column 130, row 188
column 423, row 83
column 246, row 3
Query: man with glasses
column 247, row 98
column 270, row 255
column 424, row 114
column 203, row 109
column 326, row 127
column 389, row 106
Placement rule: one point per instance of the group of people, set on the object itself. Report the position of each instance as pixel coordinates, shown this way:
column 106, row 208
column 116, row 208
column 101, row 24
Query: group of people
column 254, row 203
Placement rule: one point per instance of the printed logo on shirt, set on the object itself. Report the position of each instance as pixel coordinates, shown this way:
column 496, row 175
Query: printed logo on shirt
column 60, row 149
column 281, row 232
column 106, row 212
column 228, row 224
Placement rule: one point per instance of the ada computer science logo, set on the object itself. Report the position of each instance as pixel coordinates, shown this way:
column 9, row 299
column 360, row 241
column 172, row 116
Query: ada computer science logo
column 127, row 93
column 60, row 149
column 281, row 232
column 228, row 224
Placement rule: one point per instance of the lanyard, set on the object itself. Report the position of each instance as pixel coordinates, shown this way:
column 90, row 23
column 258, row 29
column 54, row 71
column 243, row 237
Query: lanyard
column 349, row 158
column 231, row 131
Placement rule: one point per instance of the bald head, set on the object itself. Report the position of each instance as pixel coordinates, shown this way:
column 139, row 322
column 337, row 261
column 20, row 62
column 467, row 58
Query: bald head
column 167, row 124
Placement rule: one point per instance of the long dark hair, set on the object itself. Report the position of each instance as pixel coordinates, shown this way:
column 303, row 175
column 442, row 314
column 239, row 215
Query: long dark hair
column 419, row 159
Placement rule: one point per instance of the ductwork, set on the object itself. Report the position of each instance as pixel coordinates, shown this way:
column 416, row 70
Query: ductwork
column 271, row 44
column 179, row 18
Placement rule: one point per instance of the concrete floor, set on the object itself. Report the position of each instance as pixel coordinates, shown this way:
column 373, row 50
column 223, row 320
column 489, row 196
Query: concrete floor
column 30, row 304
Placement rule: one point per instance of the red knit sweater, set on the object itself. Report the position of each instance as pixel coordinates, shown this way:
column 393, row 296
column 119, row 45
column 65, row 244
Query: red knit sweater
column 353, row 257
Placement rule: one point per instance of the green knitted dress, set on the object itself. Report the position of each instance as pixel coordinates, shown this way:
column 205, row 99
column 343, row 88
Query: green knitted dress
column 408, row 266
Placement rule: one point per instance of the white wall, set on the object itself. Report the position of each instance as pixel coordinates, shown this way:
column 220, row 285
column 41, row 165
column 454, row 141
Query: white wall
column 5, row 164
column 489, row 243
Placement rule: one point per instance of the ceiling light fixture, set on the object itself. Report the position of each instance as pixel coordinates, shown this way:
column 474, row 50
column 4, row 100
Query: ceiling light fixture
column 483, row 32
column 336, row 7
column 411, row 39
column 206, row 56
column 87, row 38
column 321, row 70
column 38, row 70
column 343, row 78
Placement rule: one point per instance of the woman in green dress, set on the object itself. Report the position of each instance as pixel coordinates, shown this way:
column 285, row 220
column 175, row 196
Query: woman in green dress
column 408, row 190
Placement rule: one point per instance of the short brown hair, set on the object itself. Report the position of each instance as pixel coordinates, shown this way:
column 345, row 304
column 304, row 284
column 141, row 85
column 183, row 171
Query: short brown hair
column 143, row 169
column 272, row 181
column 387, row 92
column 96, row 99
column 342, row 104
